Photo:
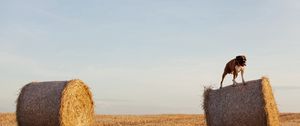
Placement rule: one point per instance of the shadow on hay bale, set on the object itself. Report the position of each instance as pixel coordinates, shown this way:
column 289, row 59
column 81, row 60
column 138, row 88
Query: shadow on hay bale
column 55, row 103
column 249, row 105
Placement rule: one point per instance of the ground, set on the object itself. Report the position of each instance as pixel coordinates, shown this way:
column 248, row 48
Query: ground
column 287, row 119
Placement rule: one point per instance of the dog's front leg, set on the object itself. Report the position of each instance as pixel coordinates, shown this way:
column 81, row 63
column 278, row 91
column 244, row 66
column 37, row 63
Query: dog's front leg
column 234, row 77
column 242, row 74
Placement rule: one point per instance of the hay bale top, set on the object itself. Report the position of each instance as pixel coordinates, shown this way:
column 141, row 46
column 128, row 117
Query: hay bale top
column 64, row 103
column 252, row 104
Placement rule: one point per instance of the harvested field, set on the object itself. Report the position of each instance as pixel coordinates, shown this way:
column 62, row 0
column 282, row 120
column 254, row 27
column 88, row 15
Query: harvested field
column 286, row 119
column 150, row 120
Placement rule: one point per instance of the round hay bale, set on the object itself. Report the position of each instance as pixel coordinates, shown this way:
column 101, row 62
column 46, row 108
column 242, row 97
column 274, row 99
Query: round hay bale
column 55, row 103
column 252, row 104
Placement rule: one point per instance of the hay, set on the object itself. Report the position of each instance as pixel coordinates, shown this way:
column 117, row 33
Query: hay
column 55, row 103
column 249, row 105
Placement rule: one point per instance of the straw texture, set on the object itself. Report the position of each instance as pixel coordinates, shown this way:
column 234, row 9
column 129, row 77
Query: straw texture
column 55, row 103
column 249, row 105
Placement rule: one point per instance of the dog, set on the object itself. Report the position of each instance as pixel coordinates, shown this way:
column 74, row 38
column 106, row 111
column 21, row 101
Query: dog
column 235, row 66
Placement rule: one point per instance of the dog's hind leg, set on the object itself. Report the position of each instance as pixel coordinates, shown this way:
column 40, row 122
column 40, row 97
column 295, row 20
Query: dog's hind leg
column 223, row 76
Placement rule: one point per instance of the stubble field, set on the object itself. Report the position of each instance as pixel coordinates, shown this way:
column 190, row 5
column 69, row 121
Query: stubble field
column 286, row 119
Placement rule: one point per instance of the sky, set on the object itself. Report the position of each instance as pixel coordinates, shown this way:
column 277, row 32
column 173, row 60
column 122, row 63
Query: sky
column 148, row 56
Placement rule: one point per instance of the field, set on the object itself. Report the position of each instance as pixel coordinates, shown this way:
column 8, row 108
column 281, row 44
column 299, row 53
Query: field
column 286, row 119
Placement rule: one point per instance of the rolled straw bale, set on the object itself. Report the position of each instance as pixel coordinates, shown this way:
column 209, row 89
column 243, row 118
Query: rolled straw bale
column 55, row 103
column 252, row 104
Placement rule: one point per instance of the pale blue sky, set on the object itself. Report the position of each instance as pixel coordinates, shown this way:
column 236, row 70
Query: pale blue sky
column 148, row 56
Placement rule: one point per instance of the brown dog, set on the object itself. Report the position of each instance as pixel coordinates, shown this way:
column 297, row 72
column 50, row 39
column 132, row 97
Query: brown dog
column 235, row 66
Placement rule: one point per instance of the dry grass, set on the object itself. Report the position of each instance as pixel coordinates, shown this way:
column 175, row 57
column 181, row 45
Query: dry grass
column 286, row 119
column 290, row 119
column 250, row 105
column 65, row 103
column 150, row 120
column 8, row 119
column 270, row 106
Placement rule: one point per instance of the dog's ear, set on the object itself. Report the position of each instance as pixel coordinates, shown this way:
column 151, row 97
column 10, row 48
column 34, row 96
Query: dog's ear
column 244, row 57
column 241, row 57
column 238, row 57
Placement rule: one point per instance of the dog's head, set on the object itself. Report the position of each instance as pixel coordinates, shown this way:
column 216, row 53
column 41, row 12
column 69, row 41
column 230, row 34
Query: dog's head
column 241, row 60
